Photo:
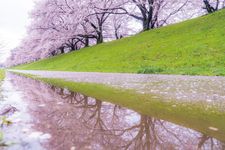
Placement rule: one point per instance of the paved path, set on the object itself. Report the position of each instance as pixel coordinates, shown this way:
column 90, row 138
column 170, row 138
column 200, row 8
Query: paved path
column 183, row 88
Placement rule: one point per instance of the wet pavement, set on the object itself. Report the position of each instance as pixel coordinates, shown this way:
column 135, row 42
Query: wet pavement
column 48, row 117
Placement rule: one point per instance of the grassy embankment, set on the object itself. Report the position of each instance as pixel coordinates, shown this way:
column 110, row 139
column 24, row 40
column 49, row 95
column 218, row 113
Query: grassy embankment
column 2, row 74
column 197, row 116
column 193, row 47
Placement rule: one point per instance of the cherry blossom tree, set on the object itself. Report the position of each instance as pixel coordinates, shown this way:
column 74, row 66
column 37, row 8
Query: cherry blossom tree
column 61, row 26
column 151, row 13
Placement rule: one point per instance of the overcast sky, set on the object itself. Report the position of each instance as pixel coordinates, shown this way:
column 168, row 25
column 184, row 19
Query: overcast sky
column 13, row 21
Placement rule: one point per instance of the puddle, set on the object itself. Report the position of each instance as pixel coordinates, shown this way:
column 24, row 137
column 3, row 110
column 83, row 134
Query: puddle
column 48, row 117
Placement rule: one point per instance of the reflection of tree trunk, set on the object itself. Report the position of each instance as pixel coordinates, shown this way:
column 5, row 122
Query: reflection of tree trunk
column 147, row 132
column 223, row 145
column 114, row 115
column 146, row 137
column 99, row 124
column 204, row 138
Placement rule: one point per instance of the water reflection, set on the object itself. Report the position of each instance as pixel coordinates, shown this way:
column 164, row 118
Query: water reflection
column 71, row 120
column 13, row 108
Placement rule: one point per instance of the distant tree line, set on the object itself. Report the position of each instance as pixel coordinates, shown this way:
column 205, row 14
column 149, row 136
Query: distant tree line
column 60, row 26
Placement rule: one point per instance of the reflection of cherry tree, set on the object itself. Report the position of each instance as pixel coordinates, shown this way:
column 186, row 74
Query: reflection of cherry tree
column 212, row 142
column 147, row 133
column 93, row 113
column 74, row 119
column 146, row 136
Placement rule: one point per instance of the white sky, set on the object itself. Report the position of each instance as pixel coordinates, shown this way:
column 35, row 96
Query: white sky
column 13, row 21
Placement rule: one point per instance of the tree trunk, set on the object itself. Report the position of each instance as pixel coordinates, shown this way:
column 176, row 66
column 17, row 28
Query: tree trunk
column 116, row 35
column 86, row 42
column 100, row 38
column 146, row 24
column 148, row 17
column 73, row 47
column 61, row 50
column 208, row 7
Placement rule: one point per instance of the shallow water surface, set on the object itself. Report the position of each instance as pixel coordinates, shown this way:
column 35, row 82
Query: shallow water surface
column 47, row 117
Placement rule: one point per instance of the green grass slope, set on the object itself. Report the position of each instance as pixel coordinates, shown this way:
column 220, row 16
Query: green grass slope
column 2, row 74
column 194, row 47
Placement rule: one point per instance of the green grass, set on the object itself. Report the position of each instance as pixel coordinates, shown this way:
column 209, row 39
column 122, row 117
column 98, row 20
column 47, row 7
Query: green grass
column 197, row 116
column 193, row 47
column 2, row 74
column 150, row 70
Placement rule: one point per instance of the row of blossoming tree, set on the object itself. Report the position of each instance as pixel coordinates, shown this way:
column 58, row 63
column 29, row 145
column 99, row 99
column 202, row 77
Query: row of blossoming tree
column 60, row 26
